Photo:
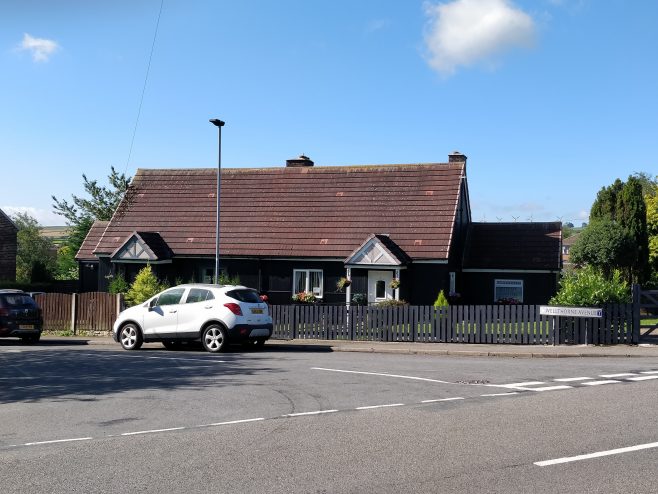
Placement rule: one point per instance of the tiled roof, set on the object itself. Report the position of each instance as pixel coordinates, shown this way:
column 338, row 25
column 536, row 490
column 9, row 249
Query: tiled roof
column 513, row 246
column 292, row 212
column 86, row 252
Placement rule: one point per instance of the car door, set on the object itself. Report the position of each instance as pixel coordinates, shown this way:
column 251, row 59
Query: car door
column 161, row 319
column 195, row 310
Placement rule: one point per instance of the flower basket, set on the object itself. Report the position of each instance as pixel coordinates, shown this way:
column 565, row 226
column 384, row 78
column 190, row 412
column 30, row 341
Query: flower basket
column 343, row 283
column 304, row 298
column 395, row 283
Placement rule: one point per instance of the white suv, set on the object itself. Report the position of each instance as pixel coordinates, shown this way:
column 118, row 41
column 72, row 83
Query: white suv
column 215, row 314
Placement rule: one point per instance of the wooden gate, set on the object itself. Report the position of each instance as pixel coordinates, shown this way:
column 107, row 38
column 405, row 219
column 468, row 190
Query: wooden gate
column 95, row 311
column 646, row 307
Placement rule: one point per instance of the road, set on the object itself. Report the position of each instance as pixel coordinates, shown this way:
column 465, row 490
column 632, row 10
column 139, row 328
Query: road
column 99, row 419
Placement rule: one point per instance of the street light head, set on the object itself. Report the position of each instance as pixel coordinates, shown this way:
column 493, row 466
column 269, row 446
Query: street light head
column 217, row 122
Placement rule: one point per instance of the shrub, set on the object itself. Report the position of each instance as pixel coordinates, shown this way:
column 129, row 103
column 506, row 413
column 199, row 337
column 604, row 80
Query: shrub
column 441, row 300
column 359, row 299
column 588, row 287
column 391, row 302
column 146, row 285
column 225, row 279
column 118, row 284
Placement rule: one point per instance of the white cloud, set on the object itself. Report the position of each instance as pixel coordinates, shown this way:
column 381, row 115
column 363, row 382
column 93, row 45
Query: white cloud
column 465, row 32
column 43, row 216
column 40, row 48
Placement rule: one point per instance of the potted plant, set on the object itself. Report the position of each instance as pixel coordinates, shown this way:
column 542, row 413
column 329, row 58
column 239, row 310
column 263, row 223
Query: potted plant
column 343, row 283
column 304, row 298
column 395, row 283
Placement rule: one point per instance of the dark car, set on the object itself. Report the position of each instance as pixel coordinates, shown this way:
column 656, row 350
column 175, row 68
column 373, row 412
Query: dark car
column 20, row 316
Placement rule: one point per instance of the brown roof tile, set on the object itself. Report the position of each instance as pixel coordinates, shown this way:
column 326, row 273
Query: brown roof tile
column 86, row 252
column 292, row 212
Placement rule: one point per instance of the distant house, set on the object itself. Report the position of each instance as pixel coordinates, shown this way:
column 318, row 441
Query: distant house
column 8, row 248
column 302, row 227
column 87, row 261
column 567, row 243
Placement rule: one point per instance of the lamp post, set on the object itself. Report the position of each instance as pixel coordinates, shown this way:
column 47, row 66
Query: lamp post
column 219, row 124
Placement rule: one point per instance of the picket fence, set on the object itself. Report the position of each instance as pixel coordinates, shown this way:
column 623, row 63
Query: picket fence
column 492, row 324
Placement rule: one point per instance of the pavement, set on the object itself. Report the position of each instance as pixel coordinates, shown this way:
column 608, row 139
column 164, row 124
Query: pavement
column 438, row 349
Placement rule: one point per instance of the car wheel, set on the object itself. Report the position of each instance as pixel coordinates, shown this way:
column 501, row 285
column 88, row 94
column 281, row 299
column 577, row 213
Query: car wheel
column 214, row 339
column 172, row 345
column 259, row 343
column 130, row 337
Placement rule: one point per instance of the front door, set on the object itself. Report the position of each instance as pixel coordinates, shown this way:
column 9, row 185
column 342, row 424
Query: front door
column 379, row 286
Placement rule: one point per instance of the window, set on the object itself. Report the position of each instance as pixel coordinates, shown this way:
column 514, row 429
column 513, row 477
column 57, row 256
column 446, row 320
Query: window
column 508, row 291
column 307, row 280
column 170, row 297
column 242, row 295
column 380, row 289
column 208, row 275
column 198, row 295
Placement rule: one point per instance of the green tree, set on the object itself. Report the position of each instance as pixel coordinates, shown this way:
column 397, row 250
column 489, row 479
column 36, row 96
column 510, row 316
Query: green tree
column 35, row 256
column 441, row 300
column 146, row 285
column 589, row 287
column 604, row 244
column 118, row 284
column 81, row 212
column 623, row 203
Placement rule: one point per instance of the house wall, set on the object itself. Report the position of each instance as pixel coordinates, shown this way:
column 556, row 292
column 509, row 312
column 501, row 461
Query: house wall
column 8, row 249
column 538, row 288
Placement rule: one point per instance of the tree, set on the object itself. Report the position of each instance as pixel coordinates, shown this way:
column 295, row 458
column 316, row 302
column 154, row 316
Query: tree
column 81, row 212
column 651, row 201
column 623, row 203
column 604, row 244
column 35, row 256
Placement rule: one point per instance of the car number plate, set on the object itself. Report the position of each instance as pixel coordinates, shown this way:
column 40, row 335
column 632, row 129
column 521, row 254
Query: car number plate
column 256, row 311
column 26, row 326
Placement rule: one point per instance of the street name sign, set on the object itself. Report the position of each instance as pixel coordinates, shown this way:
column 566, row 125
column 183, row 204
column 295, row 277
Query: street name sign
column 551, row 310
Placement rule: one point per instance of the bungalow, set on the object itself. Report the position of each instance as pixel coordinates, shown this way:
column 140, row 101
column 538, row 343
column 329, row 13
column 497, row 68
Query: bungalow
column 396, row 231
column 8, row 248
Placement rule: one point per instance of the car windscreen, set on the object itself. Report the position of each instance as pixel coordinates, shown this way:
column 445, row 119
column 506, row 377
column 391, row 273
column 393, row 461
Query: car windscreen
column 13, row 300
column 244, row 295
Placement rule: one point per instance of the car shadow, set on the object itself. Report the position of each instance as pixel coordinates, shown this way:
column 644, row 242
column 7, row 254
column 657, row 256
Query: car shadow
column 34, row 374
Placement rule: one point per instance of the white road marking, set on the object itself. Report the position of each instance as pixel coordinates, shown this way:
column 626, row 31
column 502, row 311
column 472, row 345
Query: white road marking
column 569, row 459
column 550, row 388
column 623, row 374
column 56, row 441
column 380, row 406
column 388, row 375
column 597, row 383
column 570, row 379
column 518, row 385
column 317, row 412
column 501, row 394
column 443, row 399
column 234, row 422
column 649, row 372
column 641, row 378
column 153, row 431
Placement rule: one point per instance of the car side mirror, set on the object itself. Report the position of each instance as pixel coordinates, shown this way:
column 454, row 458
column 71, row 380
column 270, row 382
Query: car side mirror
column 152, row 303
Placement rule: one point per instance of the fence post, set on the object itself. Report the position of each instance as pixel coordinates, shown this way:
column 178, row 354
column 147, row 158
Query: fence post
column 73, row 310
column 636, row 314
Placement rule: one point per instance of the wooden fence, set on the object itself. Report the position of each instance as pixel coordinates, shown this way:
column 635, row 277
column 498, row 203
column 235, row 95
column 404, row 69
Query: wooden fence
column 493, row 324
column 79, row 312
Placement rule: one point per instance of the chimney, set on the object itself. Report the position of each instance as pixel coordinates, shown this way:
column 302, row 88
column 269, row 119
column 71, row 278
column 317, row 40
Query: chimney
column 456, row 157
column 299, row 162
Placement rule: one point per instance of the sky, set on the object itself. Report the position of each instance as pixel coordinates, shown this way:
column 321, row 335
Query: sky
column 549, row 99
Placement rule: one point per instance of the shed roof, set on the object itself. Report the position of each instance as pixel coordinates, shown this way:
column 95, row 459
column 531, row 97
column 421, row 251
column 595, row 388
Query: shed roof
column 528, row 246
column 292, row 212
column 86, row 251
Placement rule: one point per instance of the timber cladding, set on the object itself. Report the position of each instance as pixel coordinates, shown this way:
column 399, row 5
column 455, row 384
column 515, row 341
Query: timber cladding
column 8, row 248
column 93, row 312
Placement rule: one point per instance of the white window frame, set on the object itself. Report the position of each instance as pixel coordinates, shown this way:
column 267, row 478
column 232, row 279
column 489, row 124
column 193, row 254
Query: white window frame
column 507, row 284
column 308, row 288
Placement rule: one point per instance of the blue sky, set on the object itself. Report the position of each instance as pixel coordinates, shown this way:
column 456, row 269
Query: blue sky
column 549, row 99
